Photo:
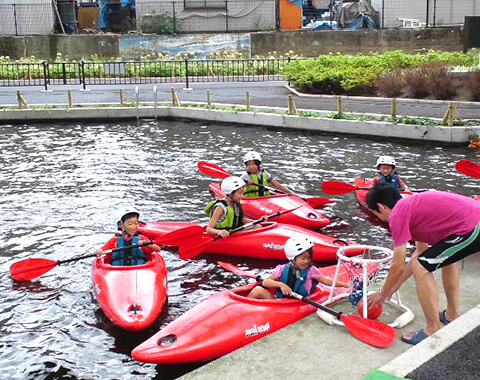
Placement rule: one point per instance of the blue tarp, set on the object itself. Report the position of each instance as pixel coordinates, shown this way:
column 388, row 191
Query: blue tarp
column 322, row 25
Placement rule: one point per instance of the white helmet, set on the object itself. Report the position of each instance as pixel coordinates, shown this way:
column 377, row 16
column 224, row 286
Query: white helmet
column 230, row 184
column 252, row 156
column 125, row 211
column 296, row 245
column 386, row 160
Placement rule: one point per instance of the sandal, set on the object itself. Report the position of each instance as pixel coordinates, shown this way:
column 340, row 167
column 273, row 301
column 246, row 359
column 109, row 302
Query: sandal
column 416, row 337
column 443, row 318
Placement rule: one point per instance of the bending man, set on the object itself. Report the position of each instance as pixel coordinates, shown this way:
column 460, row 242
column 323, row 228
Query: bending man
column 446, row 229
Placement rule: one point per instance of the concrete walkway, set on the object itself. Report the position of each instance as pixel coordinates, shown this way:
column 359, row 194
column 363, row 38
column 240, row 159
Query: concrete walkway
column 310, row 349
column 271, row 94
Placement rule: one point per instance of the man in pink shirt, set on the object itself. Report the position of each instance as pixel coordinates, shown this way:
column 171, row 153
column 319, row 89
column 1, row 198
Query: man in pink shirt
column 446, row 229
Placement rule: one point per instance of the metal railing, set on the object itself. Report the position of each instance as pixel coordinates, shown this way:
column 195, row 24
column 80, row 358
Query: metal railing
column 139, row 72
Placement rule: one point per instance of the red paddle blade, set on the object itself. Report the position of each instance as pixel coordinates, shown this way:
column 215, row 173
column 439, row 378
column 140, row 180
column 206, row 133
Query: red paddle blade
column 468, row 167
column 375, row 333
column 193, row 247
column 234, row 269
column 318, row 202
column 176, row 237
column 337, row 187
column 28, row 269
column 212, row 170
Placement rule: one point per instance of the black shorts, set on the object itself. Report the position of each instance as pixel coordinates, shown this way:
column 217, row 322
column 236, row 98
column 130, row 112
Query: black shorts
column 454, row 248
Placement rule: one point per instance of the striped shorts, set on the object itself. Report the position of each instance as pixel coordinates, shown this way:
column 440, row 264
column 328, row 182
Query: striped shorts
column 450, row 250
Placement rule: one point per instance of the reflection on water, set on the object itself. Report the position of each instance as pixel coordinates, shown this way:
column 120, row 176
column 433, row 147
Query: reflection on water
column 60, row 187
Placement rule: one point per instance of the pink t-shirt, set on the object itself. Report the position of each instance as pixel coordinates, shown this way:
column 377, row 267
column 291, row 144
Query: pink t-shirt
column 432, row 216
column 312, row 272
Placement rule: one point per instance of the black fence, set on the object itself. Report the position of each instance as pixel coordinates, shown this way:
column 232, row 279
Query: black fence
column 195, row 16
column 138, row 72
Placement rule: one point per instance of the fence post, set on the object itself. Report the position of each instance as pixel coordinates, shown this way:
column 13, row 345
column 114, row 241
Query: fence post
column 209, row 97
column 45, row 76
column 122, row 98
column 70, row 99
column 393, row 114
column 15, row 18
column 137, row 100
column 82, row 68
column 339, row 105
column 186, row 73
column 64, row 73
column 155, row 101
column 292, row 109
column 428, row 13
column 249, row 101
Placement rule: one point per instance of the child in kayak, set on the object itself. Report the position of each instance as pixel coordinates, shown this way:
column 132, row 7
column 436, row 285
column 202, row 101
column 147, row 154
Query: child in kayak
column 255, row 174
column 387, row 174
column 128, row 235
column 298, row 275
column 227, row 214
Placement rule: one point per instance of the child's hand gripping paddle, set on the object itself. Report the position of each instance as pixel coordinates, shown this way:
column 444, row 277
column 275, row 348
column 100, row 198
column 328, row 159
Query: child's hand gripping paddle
column 196, row 245
column 28, row 269
column 375, row 333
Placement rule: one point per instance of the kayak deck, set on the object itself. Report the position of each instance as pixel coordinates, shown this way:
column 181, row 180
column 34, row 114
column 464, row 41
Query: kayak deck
column 255, row 207
column 132, row 297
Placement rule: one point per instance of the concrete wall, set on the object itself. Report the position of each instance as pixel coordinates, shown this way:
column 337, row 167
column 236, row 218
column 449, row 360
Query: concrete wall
column 47, row 46
column 312, row 44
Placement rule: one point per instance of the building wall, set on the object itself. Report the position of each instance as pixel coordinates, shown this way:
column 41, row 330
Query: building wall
column 243, row 15
column 440, row 13
column 23, row 17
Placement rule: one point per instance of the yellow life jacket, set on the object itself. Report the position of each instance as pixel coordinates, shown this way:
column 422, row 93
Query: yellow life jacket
column 256, row 191
column 232, row 216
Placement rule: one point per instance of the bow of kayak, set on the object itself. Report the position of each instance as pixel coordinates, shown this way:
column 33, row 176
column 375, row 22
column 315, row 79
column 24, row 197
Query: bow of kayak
column 305, row 216
column 366, row 184
column 132, row 297
column 223, row 323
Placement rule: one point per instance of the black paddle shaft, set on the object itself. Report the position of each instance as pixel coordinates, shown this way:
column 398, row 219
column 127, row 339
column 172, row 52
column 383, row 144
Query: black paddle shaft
column 318, row 305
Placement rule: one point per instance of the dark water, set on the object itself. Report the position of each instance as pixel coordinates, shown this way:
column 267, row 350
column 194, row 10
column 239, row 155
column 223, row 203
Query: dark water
column 61, row 185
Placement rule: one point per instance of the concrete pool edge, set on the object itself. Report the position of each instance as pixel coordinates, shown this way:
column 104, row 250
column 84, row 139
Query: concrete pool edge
column 314, row 124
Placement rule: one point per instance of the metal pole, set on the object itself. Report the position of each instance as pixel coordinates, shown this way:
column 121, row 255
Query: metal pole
column 434, row 12
column 174, row 18
column 15, row 18
column 82, row 66
column 226, row 16
column 45, row 79
column 383, row 14
column 186, row 72
column 428, row 13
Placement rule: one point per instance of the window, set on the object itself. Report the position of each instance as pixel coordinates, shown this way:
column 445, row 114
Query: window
column 202, row 4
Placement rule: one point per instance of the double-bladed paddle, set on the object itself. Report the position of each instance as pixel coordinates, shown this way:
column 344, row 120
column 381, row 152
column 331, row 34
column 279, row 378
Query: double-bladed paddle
column 372, row 332
column 338, row 188
column 218, row 172
column 195, row 245
column 28, row 269
column 468, row 167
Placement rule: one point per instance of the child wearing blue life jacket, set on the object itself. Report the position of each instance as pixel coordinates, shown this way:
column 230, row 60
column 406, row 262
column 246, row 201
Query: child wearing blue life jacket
column 128, row 235
column 255, row 174
column 298, row 275
column 387, row 174
column 227, row 214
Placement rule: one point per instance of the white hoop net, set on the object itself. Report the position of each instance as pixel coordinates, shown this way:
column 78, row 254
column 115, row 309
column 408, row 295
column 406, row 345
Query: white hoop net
column 368, row 268
column 365, row 273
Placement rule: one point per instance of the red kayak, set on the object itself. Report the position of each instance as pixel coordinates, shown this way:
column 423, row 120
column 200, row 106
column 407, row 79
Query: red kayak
column 225, row 322
column 361, row 195
column 132, row 297
column 264, row 243
column 255, row 207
